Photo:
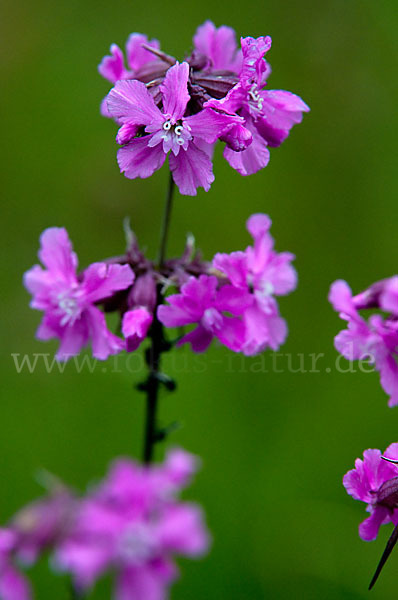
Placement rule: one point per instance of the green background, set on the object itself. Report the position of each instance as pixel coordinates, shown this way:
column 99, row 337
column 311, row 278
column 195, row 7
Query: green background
column 274, row 445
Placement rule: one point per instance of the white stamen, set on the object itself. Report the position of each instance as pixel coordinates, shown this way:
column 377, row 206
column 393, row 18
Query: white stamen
column 178, row 130
column 180, row 141
column 167, row 125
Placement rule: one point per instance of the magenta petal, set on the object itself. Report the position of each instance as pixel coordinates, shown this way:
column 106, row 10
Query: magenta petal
column 57, row 255
column 219, row 45
column 137, row 56
column 130, row 102
column 200, row 339
column 104, row 342
column 389, row 379
column 101, row 280
column 234, row 265
column 369, row 528
column 251, row 160
column 191, row 169
column 112, row 67
column 175, row 91
column 211, row 125
column 73, row 339
column 263, row 330
column 340, row 297
column 126, row 133
column 231, row 333
column 389, row 296
column 280, row 111
column 140, row 583
column 13, row 586
column 137, row 159
column 182, row 530
column 233, row 299
column 135, row 327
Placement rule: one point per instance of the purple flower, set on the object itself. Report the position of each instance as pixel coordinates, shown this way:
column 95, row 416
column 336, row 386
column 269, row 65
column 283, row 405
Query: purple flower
column 160, row 132
column 139, row 60
column 202, row 302
column 218, row 46
column 69, row 301
column 238, row 307
column 375, row 482
column 262, row 273
column 135, row 326
column 375, row 339
column 132, row 524
column 13, row 586
column 269, row 114
column 217, row 76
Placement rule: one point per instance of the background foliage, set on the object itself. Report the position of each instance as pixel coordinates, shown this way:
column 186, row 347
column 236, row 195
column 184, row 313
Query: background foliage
column 274, row 444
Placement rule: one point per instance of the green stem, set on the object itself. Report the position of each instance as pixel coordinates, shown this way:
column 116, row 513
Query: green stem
column 166, row 222
column 158, row 345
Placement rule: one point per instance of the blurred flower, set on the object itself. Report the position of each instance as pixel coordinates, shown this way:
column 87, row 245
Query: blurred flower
column 132, row 524
column 69, row 301
column 13, row 585
column 175, row 112
column 245, row 289
column 168, row 130
column 375, row 482
column 135, row 326
column 375, row 339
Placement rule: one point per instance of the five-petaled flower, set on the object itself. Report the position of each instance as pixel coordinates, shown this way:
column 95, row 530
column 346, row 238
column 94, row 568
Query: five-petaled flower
column 175, row 110
column 239, row 306
column 375, row 339
column 375, row 481
column 161, row 131
column 69, row 300
column 131, row 525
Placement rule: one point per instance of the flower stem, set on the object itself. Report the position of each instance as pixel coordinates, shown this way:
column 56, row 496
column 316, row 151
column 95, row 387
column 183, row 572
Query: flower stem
column 158, row 345
column 166, row 221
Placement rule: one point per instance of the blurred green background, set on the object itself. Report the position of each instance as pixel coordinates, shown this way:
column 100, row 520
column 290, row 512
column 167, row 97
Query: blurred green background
column 274, row 445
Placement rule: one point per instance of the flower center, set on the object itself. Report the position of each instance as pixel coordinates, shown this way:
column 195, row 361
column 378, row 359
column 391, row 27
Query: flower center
column 212, row 319
column 255, row 98
column 137, row 544
column 69, row 307
column 177, row 130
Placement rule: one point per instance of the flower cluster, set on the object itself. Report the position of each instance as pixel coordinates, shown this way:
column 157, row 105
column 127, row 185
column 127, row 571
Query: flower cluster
column 375, row 339
column 182, row 109
column 131, row 524
column 232, row 298
column 236, row 304
column 375, row 481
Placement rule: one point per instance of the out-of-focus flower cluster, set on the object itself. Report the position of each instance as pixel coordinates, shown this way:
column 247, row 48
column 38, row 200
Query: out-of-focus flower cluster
column 376, row 338
column 131, row 525
column 182, row 109
column 233, row 298
column 375, row 481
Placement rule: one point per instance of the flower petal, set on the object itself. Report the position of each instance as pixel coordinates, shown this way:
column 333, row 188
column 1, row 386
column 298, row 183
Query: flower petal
column 137, row 159
column 112, row 67
column 175, row 91
column 191, row 169
column 137, row 56
column 130, row 102
column 57, row 255
column 101, row 280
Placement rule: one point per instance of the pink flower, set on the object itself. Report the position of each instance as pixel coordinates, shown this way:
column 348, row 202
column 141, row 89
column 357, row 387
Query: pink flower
column 139, row 61
column 13, row 586
column 218, row 46
column 132, row 525
column 269, row 115
column 160, row 132
column 202, row 302
column 375, row 482
column 69, row 301
column 238, row 307
column 262, row 273
column 375, row 339
column 135, row 327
